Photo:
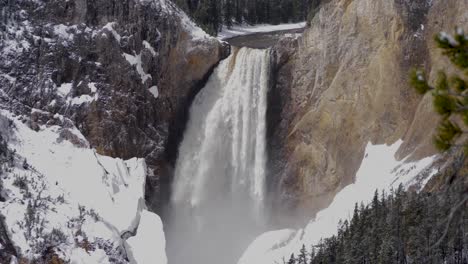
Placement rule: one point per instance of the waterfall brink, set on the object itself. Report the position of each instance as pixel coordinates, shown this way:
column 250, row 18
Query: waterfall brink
column 219, row 186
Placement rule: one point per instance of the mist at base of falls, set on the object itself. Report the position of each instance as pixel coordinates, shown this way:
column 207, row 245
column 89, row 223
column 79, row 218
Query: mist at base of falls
column 218, row 194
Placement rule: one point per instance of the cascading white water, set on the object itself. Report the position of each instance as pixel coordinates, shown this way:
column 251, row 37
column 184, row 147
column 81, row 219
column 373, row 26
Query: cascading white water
column 219, row 185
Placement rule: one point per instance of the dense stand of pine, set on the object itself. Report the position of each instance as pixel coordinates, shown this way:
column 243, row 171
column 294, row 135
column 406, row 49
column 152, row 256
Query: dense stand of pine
column 213, row 15
column 403, row 227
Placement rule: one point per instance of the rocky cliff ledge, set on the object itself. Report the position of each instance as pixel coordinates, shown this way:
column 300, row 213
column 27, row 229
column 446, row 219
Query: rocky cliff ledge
column 122, row 71
column 345, row 83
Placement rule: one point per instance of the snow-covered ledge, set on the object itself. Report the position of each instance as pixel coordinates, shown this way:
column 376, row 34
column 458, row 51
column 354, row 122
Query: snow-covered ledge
column 149, row 244
column 91, row 201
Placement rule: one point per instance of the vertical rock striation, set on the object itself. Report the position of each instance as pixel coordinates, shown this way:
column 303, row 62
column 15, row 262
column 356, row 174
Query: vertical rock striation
column 345, row 83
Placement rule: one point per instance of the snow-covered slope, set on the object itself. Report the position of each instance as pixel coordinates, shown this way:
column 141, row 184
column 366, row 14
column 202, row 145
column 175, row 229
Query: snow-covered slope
column 379, row 171
column 62, row 196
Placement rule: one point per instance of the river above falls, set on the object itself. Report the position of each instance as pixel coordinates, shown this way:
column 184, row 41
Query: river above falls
column 262, row 40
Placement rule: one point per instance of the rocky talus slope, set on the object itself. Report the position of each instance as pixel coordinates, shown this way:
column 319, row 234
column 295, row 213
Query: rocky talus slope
column 344, row 83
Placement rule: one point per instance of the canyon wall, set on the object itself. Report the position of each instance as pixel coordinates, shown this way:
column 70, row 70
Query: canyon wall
column 344, row 83
column 123, row 72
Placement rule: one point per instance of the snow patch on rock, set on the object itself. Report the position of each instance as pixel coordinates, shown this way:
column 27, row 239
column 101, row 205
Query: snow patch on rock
column 148, row 46
column 92, row 86
column 82, row 99
column 135, row 60
column 110, row 27
column 62, row 32
column 64, row 89
column 154, row 91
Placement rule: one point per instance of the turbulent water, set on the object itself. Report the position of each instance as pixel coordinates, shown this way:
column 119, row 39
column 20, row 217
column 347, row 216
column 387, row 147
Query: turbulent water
column 219, row 186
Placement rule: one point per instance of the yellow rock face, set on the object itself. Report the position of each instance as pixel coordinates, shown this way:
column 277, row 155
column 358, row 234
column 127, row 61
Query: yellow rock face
column 348, row 85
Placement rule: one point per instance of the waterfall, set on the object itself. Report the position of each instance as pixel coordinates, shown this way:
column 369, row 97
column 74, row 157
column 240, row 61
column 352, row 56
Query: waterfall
column 218, row 191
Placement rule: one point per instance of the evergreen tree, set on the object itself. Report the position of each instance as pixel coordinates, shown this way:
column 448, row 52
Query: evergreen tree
column 292, row 259
column 228, row 13
column 212, row 15
column 312, row 255
column 302, row 258
column 406, row 227
column 449, row 94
